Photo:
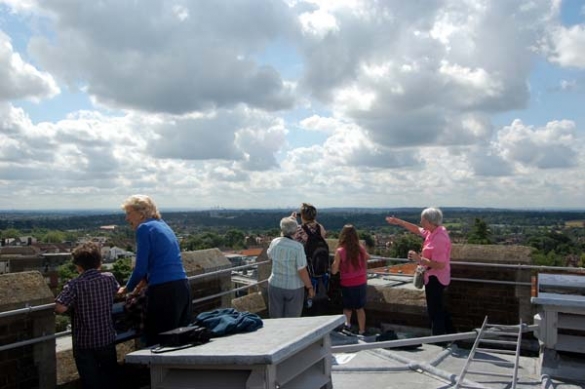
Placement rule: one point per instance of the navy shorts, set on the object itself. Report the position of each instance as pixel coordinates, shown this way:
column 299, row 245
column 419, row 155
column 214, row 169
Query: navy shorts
column 354, row 297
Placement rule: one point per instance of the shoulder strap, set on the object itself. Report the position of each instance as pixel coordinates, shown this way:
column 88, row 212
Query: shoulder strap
column 319, row 230
column 311, row 233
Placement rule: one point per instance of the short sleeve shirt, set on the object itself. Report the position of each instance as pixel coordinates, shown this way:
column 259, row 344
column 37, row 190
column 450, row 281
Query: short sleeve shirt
column 288, row 257
column 437, row 247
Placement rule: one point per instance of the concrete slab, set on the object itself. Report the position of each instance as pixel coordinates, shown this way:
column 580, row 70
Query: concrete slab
column 430, row 367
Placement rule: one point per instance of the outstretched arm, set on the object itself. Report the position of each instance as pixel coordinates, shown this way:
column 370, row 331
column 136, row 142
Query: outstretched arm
column 404, row 224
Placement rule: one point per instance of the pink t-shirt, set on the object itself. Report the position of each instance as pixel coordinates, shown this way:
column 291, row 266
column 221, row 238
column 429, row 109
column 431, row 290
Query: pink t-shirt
column 437, row 247
column 350, row 276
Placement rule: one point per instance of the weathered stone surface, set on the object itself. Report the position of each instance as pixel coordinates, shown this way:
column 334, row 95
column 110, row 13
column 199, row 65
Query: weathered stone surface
column 491, row 253
column 207, row 261
column 253, row 302
column 387, row 296
column 204, row 261
column 19, row 289
column 67, row 370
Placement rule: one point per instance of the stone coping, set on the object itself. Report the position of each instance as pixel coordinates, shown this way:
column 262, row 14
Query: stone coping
column 270, row 344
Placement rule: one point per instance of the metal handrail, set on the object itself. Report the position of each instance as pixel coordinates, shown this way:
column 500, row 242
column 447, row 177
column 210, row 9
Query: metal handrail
column 216, row 272
column 28, row 309
column 33, row 340
column 118, row 307
column 376, row 258
column 372, row 258
column 228, row 291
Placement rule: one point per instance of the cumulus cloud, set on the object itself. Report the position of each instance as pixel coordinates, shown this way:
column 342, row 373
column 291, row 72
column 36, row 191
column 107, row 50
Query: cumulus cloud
column 487, row 162
column 21, row 80
column 260, row 146
column 548, row 147
column 197, row 138
column 249, row 138
column 167, row 58
column 414, row 79
column 568, row 46
column 20, row 5
column 344, row 103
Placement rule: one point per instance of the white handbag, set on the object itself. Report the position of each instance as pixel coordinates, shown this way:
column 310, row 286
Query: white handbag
column 419, row 277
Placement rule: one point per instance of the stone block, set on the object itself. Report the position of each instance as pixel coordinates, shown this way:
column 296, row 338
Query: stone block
column 36, row 362
column 491, row 253
column 204, row 261
column 207, row 261
column 253, row 302
column 19, row 289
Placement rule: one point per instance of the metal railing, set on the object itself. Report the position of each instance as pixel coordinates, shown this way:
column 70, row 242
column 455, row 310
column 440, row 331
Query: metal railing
column 119, row 307
column 374, row 258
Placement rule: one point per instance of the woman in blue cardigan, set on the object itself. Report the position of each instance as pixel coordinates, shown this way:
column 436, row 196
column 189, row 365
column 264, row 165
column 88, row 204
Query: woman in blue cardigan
column 158, row 261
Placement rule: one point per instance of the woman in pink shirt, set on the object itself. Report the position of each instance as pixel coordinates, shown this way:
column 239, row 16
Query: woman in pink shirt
column 435, row 256
column 351, row 261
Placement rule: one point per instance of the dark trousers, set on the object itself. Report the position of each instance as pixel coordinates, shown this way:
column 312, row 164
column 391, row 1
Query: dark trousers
column 168, row 307
column 97, row 367
column 441, row 323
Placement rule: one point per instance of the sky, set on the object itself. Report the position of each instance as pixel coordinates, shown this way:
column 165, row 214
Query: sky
column 268, row 104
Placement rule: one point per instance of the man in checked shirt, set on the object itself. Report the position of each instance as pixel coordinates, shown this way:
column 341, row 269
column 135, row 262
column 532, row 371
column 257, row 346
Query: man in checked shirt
column 89, row 299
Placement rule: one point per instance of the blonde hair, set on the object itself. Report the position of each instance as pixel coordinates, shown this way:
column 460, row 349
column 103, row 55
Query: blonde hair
column 143, row 205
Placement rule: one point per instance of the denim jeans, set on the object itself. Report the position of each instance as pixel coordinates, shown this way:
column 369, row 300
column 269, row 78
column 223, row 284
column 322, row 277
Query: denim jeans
column 97, row 367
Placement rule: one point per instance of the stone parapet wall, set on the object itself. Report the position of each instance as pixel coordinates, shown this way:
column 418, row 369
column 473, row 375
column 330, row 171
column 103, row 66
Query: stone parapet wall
column 67, row 376
column 398, row 304
column 206, row 261
column 35, row 366
column 30, row 366
column 391, row 302
column 470, row 301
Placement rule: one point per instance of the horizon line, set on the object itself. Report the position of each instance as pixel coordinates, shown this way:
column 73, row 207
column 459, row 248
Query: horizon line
column 186, row 209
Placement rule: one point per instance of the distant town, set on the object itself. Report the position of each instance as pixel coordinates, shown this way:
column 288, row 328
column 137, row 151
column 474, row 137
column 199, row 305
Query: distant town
column 43, row 241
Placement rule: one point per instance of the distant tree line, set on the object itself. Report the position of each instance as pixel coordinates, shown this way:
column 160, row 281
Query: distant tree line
column 266, row 219
column 555, row 235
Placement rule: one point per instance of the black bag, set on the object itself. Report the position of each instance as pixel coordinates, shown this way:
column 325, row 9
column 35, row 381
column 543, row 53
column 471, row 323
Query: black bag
column 317, row 252
column 191, row 335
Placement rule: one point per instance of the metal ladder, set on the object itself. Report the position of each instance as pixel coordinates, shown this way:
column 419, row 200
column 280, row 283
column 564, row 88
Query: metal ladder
column 486, row 344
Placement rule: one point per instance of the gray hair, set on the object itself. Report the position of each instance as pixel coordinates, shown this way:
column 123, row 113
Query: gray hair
column 288, row 226
column 143, row 205
column 432, row 215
